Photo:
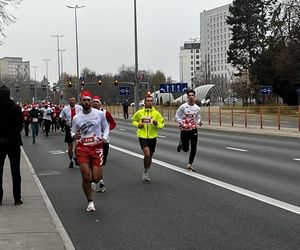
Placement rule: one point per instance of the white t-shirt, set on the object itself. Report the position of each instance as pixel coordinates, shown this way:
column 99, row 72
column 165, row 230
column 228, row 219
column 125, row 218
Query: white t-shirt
column 66, row 113
column 188, row 116
column 92, row 127
column 47, row 113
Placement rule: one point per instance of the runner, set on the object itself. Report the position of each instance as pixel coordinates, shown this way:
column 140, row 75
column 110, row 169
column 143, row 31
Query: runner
column 86, row 129
column 188, row 116
column 34, row 114
column 112, row 124
column 67, row 115
column 148, row 120
column 26, row 121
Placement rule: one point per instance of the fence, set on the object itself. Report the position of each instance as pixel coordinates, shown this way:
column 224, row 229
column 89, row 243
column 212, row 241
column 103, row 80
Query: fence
column 278, row 117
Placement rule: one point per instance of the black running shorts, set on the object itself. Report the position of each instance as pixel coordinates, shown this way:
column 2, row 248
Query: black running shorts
column 150, row 143
column 68, row 137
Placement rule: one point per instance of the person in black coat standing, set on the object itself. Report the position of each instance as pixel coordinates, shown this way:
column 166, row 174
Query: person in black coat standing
column 11, row 125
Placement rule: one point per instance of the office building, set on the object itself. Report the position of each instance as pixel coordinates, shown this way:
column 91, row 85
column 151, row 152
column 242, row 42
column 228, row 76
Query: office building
column 189, row 62
column 14, row 68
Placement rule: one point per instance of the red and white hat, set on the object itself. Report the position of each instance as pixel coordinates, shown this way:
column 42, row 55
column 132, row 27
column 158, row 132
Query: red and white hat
column 86, row 95
column 96, row 98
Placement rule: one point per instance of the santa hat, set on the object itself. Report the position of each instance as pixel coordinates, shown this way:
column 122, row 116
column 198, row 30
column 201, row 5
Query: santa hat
column 96, row 98
column 86, row 95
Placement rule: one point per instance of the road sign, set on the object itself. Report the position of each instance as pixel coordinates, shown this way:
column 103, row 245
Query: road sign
column 173, row 87
column 265, row 90
column 124, row 90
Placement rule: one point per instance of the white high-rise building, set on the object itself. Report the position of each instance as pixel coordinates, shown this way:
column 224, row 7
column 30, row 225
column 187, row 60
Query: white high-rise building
column 189, row 62
column 215, row 38
column 14, row 68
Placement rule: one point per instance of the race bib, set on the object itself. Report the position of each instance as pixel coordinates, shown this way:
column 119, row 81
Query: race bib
column 190, row 116
column 146, row 120
column 25, row 118
column 89, row 139
column 35, row 119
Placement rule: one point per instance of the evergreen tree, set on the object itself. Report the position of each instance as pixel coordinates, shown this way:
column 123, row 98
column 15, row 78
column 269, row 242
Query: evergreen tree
column 249, row 25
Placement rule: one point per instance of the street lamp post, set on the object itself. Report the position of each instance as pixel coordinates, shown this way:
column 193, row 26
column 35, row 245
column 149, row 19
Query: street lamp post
column 58, row 60
column 194, row 40
column 35, row 97
column 76, row 38
column 46, row 61
column 61, row 63
column 136, row 86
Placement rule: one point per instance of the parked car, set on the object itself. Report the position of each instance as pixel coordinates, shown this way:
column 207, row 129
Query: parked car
column 231, row 100
column 141, row 103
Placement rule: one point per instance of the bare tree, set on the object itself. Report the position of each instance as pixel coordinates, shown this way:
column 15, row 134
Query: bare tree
column 6, row 18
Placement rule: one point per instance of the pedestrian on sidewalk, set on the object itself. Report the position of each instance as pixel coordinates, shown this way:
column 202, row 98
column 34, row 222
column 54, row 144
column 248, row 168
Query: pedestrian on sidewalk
column 100, row 187
column 125, row 105
column 188, row 116
column 11, row 125
column 147, row 121
column 90, row 129
column 66, row 115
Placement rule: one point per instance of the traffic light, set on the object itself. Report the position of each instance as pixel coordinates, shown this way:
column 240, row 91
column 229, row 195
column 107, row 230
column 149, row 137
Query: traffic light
column 17, row 88
column 116, row 82
column 31, row 86
column 100, row 80
column 69, row 81
column 82, row 82
column 54, row 88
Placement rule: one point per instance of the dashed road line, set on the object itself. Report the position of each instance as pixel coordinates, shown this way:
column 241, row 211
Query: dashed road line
column 237, row 149
column 242, row 191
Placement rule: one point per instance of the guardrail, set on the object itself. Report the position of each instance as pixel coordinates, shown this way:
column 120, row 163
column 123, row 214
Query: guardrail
column 277, row 117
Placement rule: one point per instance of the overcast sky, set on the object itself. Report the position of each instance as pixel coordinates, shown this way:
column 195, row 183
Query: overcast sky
column 105, row 34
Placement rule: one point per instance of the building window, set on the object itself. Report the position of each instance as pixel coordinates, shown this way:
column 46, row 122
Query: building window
column 192, row 63
column 197, row 56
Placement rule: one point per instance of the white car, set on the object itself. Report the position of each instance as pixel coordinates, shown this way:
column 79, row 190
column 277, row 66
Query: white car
column 141, row 103
column 231, row 100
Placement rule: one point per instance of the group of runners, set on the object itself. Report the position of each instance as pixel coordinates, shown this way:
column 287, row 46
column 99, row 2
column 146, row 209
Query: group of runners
column 87, row 127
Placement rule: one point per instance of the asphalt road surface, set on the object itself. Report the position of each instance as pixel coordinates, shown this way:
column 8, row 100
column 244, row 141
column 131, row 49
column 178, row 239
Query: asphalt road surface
column 245, row 194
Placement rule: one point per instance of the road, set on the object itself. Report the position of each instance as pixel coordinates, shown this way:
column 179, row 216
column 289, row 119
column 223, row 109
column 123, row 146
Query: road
column 245, row 194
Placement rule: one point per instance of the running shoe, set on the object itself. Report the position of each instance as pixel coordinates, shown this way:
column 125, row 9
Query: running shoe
column 179, row 147
column 93, row 186
column 190, row 168
column 101, row 188
column 146, row 176
column 91, row 207
column 71, row 165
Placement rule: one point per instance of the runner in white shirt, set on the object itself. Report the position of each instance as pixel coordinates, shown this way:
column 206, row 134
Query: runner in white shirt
column 67, row 115
column 90, row 129
column 188, row 116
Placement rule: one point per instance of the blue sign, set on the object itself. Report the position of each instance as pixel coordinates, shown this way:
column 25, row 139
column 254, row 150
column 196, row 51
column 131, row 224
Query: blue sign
column 265, row 90
column 173, row 87
column 124, row 90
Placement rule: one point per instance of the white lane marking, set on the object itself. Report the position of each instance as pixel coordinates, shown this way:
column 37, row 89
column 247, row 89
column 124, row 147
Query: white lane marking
column 237, row 149
column 242, row 191
column 122, row 129
column 161, row 136
column 296, row 159
column 59, row 226
column 57, row 152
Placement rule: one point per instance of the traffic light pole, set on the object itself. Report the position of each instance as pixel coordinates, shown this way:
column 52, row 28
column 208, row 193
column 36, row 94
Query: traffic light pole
column 136, row 86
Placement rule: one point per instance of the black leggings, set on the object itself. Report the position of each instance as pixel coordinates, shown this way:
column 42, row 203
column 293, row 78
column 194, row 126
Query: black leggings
column 14, row 154
column 186, row 137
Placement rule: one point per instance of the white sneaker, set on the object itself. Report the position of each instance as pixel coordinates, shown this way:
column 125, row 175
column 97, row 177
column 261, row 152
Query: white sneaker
column 91, row 207
column 93, row 186
column 101, row 187
column 146, row 176
column 190, row 168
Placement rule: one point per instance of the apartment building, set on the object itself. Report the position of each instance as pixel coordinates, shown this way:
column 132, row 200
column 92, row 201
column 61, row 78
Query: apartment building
column 215, row 38
column 189, row 62
column 14, row 68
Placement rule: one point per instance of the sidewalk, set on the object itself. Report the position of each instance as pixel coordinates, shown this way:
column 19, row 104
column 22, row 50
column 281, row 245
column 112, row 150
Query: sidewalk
column 287, row 132
column 35, row 224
